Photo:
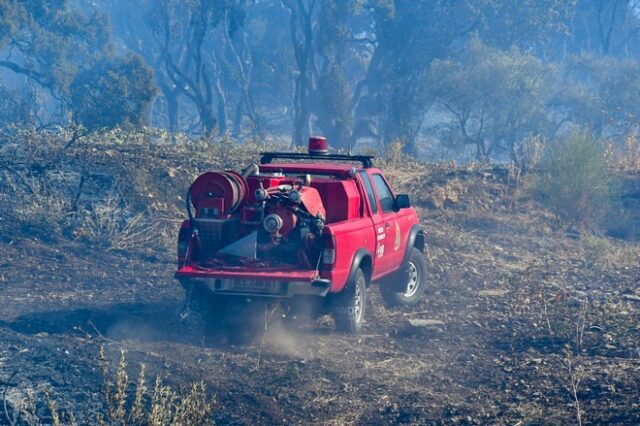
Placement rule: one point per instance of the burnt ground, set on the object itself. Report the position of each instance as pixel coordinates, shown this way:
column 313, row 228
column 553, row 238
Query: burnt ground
column 526, row 321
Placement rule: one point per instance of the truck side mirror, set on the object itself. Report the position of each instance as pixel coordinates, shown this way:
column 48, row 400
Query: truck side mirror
column 402, row 201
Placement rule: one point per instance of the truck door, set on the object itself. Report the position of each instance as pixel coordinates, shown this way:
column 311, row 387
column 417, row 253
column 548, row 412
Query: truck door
column 383, row 215
column 378, row 226
column 393, row 251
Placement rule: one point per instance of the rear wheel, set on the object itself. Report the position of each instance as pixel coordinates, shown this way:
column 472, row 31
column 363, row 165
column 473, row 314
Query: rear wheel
column 414, row 286
column 200, row 308
column 349, row 305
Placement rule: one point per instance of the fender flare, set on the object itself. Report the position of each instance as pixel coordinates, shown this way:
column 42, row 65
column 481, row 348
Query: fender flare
column 361, row 257
column 415, row 239
column 396, row 280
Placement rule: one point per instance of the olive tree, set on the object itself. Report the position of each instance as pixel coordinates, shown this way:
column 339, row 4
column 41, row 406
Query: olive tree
column 495, row 98
column 601, row 93
column 112, row 92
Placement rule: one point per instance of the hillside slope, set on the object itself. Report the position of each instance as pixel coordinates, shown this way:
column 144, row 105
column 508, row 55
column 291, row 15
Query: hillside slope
column 525, row 322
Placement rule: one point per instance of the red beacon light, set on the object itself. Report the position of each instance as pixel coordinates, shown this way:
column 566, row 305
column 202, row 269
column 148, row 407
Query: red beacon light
column 318, row 145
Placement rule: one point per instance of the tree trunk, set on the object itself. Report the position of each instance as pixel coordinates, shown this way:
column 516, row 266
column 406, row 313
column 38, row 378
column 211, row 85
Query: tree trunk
column 207, row 119
column 172, row 112
column 301, row 111
column 403, row 121
column 222, row 107
column 237, row 121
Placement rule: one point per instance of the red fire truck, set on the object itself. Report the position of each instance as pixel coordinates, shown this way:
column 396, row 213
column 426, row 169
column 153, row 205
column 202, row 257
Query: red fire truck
column 301, row 225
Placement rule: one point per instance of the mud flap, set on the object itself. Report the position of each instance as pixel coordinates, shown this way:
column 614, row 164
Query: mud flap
column 193, row 302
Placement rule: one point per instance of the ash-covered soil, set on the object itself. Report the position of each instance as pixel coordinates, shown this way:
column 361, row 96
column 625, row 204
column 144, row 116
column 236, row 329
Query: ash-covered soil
column 526, row 321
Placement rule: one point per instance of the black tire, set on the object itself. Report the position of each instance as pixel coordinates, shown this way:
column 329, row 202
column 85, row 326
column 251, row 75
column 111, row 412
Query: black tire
column 200, row 308
column 416, row 283
column 348, row 308
column 302, row 311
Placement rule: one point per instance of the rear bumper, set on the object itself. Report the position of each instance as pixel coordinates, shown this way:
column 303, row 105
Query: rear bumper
column 279, row 284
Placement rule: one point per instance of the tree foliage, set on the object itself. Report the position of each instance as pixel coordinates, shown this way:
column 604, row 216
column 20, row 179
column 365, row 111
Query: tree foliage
column 495, row 98
column 411, row 35
column 357, row 71
column 112, row 93
column 602, row 93
column 14, row 108
column 61, row 49
column 48, row 42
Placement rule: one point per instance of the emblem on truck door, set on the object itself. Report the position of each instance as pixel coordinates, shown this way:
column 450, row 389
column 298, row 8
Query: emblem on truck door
column 380, row 242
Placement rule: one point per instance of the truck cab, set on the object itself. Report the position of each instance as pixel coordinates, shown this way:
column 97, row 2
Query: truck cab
column 312, row 224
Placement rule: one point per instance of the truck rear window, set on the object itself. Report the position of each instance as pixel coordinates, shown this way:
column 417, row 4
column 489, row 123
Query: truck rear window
column 384, row 193
column 369, row 189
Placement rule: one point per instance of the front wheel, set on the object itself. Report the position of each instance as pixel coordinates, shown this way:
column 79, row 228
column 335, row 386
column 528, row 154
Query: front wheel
column 416, row 282
column 349, row 306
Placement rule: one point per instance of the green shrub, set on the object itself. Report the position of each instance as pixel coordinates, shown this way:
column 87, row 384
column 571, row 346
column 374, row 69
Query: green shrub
column 575, row 182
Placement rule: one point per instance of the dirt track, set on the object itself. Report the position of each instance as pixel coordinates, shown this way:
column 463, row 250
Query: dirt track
column 470, row 368
column 515, row 308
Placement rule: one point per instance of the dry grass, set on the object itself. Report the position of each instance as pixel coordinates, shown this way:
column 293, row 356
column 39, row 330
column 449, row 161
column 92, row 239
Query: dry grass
column 629, row 159
column 606, row 252
column 532, row 152
column 164, row 406
column 126, row 403
column 55, row 182
column 44, row 211
column 114, row 226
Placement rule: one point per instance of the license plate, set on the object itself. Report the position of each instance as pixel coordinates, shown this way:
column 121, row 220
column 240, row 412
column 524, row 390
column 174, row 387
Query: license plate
column 255, row 286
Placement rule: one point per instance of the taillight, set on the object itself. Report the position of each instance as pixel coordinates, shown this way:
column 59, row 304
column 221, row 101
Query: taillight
column 329, row 250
